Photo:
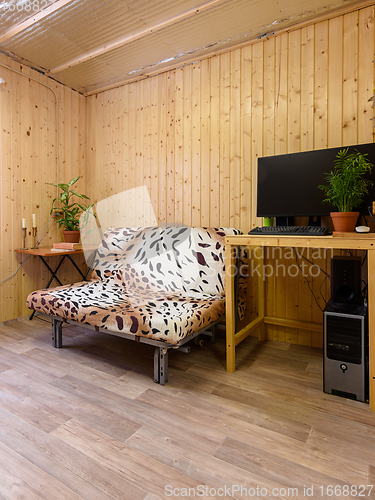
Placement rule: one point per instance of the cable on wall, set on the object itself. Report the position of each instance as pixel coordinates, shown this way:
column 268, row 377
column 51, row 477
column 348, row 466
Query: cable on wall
column 16, row 271
column 57, row 115
column 36, row 246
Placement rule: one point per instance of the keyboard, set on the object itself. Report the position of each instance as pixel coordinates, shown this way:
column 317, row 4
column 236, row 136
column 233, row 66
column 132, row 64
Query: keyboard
column 291, row 230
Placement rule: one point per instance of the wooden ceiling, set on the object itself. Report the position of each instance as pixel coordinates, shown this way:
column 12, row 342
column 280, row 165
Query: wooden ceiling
column 93, row 45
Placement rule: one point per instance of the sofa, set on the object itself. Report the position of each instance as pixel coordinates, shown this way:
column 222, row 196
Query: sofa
column 160, row 285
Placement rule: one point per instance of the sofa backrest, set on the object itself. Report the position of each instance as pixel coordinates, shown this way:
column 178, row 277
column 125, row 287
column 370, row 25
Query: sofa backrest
column 172, row 258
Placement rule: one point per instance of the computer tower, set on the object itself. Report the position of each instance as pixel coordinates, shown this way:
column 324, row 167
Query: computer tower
column 345, row 361
column 346, row 279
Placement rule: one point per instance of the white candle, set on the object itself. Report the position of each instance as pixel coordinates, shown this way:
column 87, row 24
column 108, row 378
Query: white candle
column 23, row 223
column 34, row 220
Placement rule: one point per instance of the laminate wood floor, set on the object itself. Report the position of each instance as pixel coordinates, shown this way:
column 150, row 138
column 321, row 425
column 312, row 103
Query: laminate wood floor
column 87, row 422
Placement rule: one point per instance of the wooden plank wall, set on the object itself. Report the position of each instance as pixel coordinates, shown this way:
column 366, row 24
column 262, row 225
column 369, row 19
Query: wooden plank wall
column 27, row 162
column 193, row 135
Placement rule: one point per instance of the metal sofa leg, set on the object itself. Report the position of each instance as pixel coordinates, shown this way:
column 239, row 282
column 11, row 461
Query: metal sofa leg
column 161, row 365
column 56, row 332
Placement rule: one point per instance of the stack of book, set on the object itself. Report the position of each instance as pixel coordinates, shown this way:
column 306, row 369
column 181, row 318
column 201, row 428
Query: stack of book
column 67, row 246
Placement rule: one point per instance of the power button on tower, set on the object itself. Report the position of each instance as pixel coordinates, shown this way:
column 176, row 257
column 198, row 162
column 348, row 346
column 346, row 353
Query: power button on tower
column 343, row 367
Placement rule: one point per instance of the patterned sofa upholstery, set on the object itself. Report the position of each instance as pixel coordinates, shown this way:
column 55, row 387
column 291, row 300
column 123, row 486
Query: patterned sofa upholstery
column 155, row 285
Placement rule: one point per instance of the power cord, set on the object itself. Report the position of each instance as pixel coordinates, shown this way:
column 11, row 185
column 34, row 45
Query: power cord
column 36, row 246
column 370, row 213
column 307, row 281
column 364, row 258
column 16, row 271
column 44, row 232
column 312, row 263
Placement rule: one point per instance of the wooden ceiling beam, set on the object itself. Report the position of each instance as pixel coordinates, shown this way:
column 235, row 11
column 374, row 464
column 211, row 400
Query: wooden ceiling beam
column 33, row 19
column 136, row 36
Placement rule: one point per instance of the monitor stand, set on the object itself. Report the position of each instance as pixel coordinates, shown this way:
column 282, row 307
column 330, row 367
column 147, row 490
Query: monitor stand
column 284, row 221
column 315, row 220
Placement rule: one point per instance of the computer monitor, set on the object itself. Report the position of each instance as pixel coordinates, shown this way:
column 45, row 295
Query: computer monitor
column 288, row 184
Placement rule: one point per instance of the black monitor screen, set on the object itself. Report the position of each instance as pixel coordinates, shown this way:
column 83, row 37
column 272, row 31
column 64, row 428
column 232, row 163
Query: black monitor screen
column 288, row 184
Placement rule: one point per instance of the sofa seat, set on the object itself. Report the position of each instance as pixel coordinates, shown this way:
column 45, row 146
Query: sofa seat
column 154, row 285
column 111, row 304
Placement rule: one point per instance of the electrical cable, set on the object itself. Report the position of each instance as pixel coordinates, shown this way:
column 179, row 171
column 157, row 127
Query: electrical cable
column 307, row 281
column 36, row 246
column 56, row 111
column 370, row 213
column 312, row 263
column 320, row 289
column 44, row 232
column 364, row 258
column 16, row 271
column 57, row 151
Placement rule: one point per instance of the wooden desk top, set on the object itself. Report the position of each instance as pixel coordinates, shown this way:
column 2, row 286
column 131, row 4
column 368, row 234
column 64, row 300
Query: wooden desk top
column 354, row 241
column 47, row 251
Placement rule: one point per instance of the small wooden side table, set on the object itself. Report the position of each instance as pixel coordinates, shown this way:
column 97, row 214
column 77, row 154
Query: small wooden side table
column 43, row 252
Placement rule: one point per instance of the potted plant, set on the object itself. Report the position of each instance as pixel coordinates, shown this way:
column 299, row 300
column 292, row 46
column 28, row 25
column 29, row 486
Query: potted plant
column 347, row 188
column 69, row 211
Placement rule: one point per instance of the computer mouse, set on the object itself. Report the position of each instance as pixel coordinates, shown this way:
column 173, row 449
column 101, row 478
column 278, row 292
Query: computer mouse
column 362, row 229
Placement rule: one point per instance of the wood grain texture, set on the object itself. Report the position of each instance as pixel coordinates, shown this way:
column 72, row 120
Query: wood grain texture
column 87, row 421
column 293, row 92
column 192, row 136
column 28, row 151
column 296, row 91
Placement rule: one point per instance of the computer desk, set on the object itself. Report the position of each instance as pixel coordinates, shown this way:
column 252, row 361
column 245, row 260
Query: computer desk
column 347, row 241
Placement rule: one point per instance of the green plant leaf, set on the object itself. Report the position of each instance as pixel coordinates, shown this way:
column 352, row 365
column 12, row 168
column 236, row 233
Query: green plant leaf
column 73, row 181
column 71, row 209
column 346, row 187
column 80, row 195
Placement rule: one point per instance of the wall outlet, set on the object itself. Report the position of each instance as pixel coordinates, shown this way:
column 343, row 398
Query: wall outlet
column 57, row 213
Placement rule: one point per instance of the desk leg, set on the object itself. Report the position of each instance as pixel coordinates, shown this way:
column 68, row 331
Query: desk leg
column 53, row 273
column 83, row 276
column 53, row 276
column 261, row 293
column 371, row 325
column 230, row 271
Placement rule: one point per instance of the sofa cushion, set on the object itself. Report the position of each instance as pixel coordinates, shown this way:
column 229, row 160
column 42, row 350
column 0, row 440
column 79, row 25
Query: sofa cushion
column 175, row 258
column 111, row 304
column 159, row 283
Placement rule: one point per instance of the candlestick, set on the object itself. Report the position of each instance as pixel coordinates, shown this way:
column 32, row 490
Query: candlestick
column 34, row 220
column 35, row 230
column 24, row 238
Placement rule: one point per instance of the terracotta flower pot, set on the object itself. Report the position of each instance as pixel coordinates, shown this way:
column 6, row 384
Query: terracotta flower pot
column 71, row 236
column 344, row 222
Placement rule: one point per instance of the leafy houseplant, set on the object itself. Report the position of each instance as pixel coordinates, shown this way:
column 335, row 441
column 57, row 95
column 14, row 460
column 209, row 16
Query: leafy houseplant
column 68, row 210
column 347, row 186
